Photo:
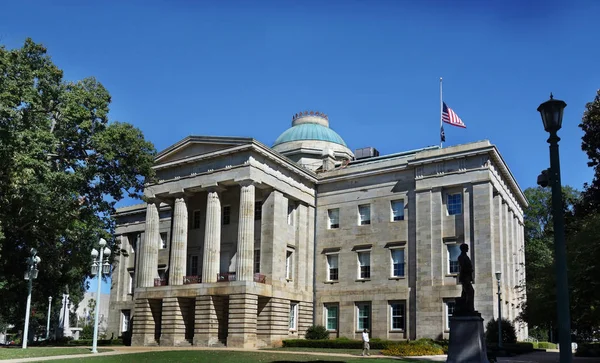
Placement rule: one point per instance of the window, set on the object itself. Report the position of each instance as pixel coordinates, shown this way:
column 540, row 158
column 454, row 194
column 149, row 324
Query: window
column 449, row 306
column 256, row 261
column 290, row 215
column 193, row 271
column 289, row 264
column 397, row 255
column 331, row 317
column 258, row 210
column 397, row 316
column 364, row 264
column 125, row 315
column 363, row 316
column 130, row 290
column 196, row 219
column 364, row 214
column 397, row 210
column 226, row 215
column 334, row 218
column 293, row 315
column 163, row 241
column 332, row 267
column 453, row 253
column 454, row 204
column 135, row 242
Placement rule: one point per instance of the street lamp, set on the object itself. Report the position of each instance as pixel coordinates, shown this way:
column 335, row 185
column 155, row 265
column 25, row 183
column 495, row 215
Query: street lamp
column 100, row 266
column 552, row 113
column 32, row 272
column 48, row 323
column 498, row 275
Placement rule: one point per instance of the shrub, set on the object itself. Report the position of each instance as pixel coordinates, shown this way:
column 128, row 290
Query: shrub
column 509, row 334
column 339, row 343
column 414, row 348
column 544, row 345
column 588, row 350
column 316, row 332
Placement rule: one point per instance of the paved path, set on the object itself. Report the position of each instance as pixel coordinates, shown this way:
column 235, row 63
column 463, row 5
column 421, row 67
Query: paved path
column 535, row 357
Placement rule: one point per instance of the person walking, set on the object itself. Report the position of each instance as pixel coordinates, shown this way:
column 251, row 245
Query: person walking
column 365, row 339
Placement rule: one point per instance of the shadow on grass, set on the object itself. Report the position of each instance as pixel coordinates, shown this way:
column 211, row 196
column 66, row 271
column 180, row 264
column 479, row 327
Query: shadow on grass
column 308, row 361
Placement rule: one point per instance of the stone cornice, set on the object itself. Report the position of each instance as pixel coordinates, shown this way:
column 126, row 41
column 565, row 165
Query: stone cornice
column 253, row 145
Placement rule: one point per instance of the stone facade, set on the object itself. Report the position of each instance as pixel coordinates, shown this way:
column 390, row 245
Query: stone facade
column 240, row 246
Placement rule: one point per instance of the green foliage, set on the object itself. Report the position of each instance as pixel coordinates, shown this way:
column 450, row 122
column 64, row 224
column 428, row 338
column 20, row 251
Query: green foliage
column 316, row 332
column 70, row 342
column 414, row 348
column 588, row 350
column 543, row 345
column 509, row 334
column 87, row 332
column 590, row 124
column 339, row 343
column 540, row 308
column 63, row 166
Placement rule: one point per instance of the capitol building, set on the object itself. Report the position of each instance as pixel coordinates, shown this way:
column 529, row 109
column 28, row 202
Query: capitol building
column 242, row 244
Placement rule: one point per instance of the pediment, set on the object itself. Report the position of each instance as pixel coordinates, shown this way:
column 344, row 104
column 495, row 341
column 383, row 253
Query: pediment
column 198, row 145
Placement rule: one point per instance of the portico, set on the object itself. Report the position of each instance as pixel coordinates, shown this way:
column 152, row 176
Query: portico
column 227, row 253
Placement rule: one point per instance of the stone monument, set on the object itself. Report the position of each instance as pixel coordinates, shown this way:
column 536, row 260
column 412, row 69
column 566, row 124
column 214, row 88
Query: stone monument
column 467, row 339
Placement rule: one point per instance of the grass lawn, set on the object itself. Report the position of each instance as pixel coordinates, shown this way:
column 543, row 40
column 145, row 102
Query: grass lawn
column 322, row 350
column 32, row 352
column 223, row 356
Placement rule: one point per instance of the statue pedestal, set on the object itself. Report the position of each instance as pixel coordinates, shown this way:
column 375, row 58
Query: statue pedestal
column 467, row 340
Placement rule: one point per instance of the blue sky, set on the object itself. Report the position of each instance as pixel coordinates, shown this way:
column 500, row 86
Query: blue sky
column 243, row 68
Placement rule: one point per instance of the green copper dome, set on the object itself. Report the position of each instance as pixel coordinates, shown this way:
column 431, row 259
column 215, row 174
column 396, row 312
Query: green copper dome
column 309, row 131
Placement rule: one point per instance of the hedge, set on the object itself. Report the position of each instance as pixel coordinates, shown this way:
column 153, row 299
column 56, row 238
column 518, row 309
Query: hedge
column 544, row 345
column 588, row 350
column 414, row 348
column 76, row 343
column 339, row 343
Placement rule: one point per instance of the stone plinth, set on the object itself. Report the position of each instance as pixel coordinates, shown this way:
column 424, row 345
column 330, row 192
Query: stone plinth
column 467, row 342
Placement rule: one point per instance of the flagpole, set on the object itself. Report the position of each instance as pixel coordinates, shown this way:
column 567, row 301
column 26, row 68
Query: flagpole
column 441, row 110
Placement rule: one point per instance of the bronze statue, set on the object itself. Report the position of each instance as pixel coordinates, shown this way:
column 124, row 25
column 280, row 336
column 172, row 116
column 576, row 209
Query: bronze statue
column 465, row 277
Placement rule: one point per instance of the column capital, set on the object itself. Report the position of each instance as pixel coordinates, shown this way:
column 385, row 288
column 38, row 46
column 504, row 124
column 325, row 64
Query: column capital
column 213, row 188
column 246, row 182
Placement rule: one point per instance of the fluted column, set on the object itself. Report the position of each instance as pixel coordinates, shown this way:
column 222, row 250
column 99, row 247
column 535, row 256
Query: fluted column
column 212, row 238
column 149, row 248
column 245, row 246
column 179, row 243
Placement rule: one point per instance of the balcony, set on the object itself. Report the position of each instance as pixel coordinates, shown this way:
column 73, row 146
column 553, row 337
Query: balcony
column 230, row 276
column 160, row 282
column 187, row 280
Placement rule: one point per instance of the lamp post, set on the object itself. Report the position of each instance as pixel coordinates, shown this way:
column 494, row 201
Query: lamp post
column 498, row 275
column 100, row 266
column 48, row 323
column 30, row 274
column 552, row 113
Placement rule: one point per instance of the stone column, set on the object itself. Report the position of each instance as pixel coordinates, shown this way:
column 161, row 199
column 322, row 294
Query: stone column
column 243, row 312
column 179, row 243
column 212, row 238
column 144, row 324
column 273, row 321
column 149, row 249
column 208, row 308
column 173, row 324
column 245, row 245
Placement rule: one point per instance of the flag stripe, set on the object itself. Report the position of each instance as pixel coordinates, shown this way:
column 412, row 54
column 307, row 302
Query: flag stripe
column 450, row 117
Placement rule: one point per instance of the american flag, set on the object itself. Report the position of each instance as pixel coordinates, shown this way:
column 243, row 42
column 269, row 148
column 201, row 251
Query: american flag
column 450, row 117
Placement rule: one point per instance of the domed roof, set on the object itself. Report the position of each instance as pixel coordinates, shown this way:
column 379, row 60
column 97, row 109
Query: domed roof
column 310, row 127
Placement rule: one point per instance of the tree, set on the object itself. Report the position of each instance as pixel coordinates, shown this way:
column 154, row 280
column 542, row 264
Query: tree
column 63, row 166
column 590, row 124
column 540, row 308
